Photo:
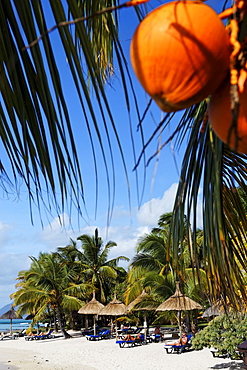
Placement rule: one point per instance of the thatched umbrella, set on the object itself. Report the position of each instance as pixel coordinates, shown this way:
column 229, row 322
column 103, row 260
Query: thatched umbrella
column 137, row 300
column 132, row 307
column 179, row 302
column 92, row 308
column 114, row 308
column 10, row 315
column 213, row 310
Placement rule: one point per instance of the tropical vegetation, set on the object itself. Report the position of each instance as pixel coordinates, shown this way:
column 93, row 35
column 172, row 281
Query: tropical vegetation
column 224, row 334
column 151, row 270
column 46, row 287
column 93, row 265
column 59, row 283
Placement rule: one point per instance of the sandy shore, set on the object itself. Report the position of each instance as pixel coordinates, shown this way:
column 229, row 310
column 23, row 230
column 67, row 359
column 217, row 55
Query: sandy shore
column 79, row 354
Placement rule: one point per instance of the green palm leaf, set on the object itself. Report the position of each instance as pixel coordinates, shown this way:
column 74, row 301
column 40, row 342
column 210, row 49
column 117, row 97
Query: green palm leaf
column 212, row 166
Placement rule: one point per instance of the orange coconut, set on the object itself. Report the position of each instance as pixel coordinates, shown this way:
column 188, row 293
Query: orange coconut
column 220, row 118
column 180, row 54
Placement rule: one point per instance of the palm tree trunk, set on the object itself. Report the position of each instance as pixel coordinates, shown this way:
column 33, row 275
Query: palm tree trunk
column 55, row 320
column 60, row 322
column 72, row 320
column 179, row 323
column 86, row 322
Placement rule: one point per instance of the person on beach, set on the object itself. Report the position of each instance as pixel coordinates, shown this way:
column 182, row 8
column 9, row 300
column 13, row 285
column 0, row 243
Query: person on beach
column 128, row 337
column 45, row 332
column 30, row 334
column 157, row 332
column 182, row 341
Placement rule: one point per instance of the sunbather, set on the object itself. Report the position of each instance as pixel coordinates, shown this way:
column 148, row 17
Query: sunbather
column 45, row 332
column 30, row 334
column 182, row 341
column 128, row 338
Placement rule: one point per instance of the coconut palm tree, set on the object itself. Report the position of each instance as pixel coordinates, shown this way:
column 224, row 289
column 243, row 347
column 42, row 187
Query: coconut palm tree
column 39, row 141
column 152, row 270
column 152, row 249
column 48, row 284
column 92, row 264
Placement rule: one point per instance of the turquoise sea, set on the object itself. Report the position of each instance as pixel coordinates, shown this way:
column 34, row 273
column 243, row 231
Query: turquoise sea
column 17, row 324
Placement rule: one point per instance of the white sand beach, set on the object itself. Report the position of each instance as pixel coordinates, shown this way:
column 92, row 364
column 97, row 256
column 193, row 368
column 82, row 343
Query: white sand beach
column 79, row 354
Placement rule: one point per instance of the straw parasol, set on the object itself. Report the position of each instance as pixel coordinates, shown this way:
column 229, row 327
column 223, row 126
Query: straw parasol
column 137, row 300
column 134, row 303
column 213, row 310
column 114, row 308
column 92, row 308
column 179, row 302
column 10, row 315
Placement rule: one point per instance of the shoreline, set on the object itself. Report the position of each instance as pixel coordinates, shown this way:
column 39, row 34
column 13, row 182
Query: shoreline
column 78, row 353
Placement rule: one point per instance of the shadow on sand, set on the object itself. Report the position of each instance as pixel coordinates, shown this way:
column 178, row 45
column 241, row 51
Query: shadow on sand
column 6, row 366
column 232, row 365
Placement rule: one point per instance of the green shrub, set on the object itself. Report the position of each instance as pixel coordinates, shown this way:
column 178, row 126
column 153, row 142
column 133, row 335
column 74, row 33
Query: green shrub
column 224, row 333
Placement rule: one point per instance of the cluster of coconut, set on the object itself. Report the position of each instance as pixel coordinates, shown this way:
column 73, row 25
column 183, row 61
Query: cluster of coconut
column 180, row 53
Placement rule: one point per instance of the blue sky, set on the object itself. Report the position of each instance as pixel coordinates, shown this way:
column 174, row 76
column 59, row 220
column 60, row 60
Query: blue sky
column 19, row 239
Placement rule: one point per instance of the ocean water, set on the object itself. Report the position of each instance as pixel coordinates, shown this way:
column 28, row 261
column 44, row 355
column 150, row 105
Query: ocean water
column 17, row 324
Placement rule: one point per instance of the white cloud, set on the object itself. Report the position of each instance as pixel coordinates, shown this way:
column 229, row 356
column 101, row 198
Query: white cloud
column 151, row 211
column 5, row 232
column 10, row 264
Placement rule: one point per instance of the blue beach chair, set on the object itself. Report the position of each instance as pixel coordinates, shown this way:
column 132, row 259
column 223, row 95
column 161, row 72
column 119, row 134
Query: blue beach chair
column 41, row 336
column 125, row 343
column 104, row 334
column 46, row 336
column 173, row 348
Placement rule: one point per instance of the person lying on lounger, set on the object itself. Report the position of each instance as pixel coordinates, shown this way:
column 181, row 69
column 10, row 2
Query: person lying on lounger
column 182, row 341
column 31, row 334
column 139, row 336
column 128, row 338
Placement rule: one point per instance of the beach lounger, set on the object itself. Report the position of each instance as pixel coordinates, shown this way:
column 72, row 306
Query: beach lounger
column 48, row 335
column 140, row 341
column 224, row 355
column 22, row 333
column 125, row 343
column 41, row 336
column 104, row 334
column 90, row 331
column 131, row 343
column 156, row 338
column 8, row 336
column 172, row 348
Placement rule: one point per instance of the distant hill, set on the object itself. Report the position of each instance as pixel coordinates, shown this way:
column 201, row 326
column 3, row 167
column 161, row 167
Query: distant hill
column 5, row 309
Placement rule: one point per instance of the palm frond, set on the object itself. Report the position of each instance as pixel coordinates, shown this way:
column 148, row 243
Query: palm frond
column 211, row 165
column 35, row 126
